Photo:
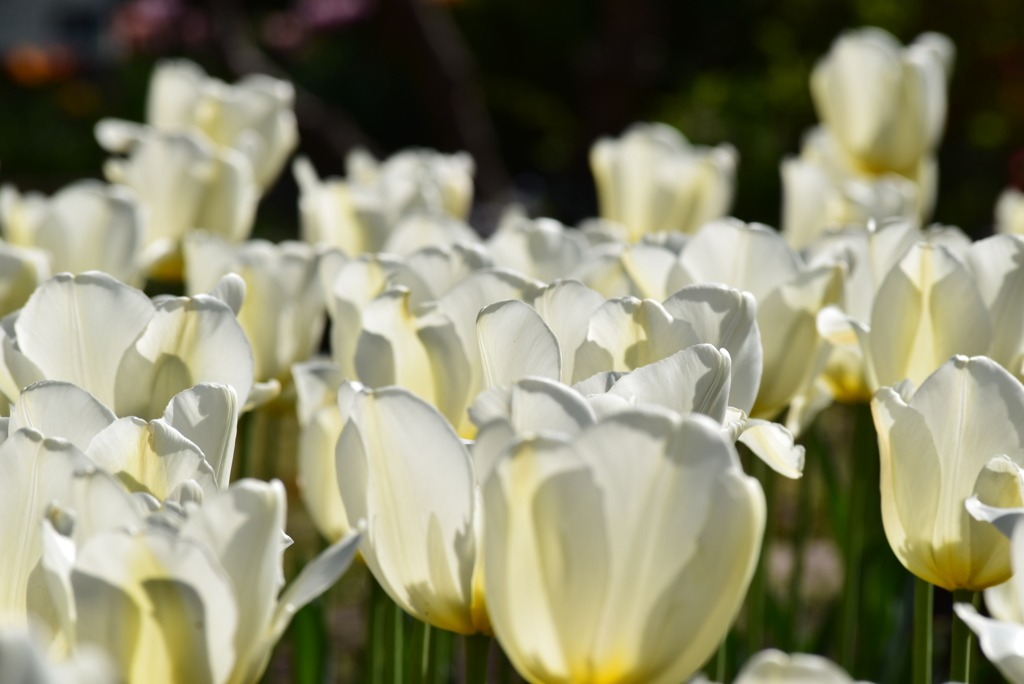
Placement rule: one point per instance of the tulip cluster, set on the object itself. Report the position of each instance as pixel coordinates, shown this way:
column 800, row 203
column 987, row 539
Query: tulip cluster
column 556, row 436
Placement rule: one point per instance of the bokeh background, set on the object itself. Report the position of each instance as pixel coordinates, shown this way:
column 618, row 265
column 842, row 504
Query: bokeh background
column 526, row 86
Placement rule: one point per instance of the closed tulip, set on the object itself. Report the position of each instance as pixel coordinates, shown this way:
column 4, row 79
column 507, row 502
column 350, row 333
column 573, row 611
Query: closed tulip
column 85, row 226
column 632, row 535
column 885, row 104
column 283, row 315
column 131, row 353
column 253, row 115
column 653, row 180
column 953, row 438
column 927, row 308
column 183, row 182
column 402, row 468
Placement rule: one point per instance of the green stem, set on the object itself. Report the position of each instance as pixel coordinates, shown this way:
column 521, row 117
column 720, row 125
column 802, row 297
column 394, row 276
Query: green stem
column 377, row 648
column 478, row 647
column 419, row 652
column 720, row 661
column 960, row 641
column 924, row 605
column 440, row 660
column 394, row 633
column 803, row 531
column 861, row 466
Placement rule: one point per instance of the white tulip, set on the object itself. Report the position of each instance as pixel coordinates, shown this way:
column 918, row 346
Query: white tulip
column 134, row 355
column 954, row 437
column 361, row 213
column 627, row 532
column 885, row 104
column 652, row 180
column 997, row 264
column 85, row 226
column 253, row 116
column 403, row 469
column 421, row 230
column 1010, row 212
column 284, row 313
column 820, row 193
column 182, row 183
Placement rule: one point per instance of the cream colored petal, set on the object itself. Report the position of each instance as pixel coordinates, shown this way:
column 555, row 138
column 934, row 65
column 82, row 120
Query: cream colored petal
column 60, row 409
column 682, row 483
column 230, row 289
column 928, row 309
column 419, row 231
column 37, row 471
column 794, row 354
column 262, row 393
column 997, row 264
column 188, row 341
column 538, row 248
column 403, row 470
column 533, row 405
column 774, row 445
column 207, row 415
column 628, row 333
column 242, row 527
column 1003, row 602
column 514, row 343
column 421, row 353
column 228, row 206
column 150, row 457
column 750, row 257
column 160, row 606
column 77, row 329
column 727, row 319
column 321, row 422
column 695, row 380
column 566, row 306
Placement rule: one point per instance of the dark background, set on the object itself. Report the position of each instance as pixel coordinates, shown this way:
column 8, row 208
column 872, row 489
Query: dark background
column 526, row 85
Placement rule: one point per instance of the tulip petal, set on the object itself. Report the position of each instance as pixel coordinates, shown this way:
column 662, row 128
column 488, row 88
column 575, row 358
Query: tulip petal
column 159, row 605
column 727, row 319
column 188, row 341
column 242, row 527
column 37, row 471
column 231, row 290
column 773, row 667
column 402, row 468
column 693, row 380
column 932, row 310
column 997, row 264
column 628, row 333
column 320, row 420
column 150, row 457
column 77, row 329
column 514, row 343
column 773, row 444
column 60, row 409
column 1001, row 642
column 566, row 306
column 207, row 416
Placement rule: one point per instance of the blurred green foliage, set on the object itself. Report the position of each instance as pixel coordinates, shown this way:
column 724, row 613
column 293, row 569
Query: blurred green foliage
column 556, row 75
